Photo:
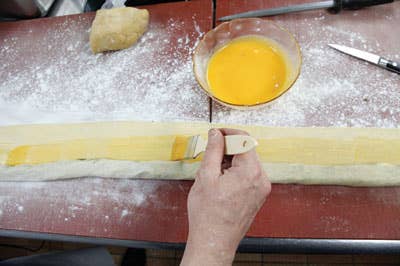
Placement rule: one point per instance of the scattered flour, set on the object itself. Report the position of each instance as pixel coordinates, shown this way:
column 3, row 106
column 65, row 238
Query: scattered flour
column 333, row 89
column 56, row 78
column 335, row 224
column 106, row 198
column 152, row 80
column 124, row 213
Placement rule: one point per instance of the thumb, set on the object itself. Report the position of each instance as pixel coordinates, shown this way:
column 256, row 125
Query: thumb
column 212, row 159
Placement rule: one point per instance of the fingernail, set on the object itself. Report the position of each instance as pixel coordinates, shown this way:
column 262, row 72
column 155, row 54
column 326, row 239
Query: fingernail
column 212, row 133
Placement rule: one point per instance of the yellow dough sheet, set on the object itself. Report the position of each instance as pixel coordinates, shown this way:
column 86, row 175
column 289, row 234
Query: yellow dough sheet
column 147, row 141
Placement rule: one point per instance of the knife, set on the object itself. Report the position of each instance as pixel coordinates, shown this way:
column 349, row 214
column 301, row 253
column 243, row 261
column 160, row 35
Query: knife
column 371, row 58
column 335, row 6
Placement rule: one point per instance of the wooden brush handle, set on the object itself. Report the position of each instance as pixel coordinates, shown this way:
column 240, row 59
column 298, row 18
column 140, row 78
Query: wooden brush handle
column 237, row 144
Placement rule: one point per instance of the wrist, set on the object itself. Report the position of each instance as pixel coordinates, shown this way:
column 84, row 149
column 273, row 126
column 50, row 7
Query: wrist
column 207, row 253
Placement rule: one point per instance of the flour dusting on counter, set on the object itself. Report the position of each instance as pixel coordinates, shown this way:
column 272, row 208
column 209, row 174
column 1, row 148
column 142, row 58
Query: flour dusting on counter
column 72, row 198
column 334, row 89
column 58, row 79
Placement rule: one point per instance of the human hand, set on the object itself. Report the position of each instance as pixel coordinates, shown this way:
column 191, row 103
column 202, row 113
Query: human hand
column 223, row 201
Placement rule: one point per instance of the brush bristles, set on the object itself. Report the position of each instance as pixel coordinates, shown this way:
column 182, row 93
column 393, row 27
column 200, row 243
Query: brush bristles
column 179, row 148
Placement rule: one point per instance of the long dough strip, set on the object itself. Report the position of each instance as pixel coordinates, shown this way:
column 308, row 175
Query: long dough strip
column 350, row 156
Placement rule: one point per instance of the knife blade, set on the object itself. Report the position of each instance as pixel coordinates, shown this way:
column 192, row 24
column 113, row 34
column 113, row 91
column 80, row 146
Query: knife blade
column 369, row 57
column 333, row 5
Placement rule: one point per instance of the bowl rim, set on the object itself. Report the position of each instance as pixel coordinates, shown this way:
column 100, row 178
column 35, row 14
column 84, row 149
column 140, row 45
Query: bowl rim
column 298, row 69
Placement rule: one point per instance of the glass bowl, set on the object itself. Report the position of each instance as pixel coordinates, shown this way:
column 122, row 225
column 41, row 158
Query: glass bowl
column 227, row 31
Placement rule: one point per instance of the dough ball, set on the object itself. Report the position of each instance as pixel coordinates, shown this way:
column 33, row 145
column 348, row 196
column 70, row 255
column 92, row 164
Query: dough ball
column 117, row 28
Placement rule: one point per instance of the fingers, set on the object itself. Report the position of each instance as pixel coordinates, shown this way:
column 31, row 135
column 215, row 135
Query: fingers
column 247, row 158
column 232, row 131
column 213, row 156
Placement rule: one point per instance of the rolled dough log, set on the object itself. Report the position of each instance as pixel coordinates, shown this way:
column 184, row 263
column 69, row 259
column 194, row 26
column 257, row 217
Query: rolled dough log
column 335, row 156
column 363, row 175
column 117, row 28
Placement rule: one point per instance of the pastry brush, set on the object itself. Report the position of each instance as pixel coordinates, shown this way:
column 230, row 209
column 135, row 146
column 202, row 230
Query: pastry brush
column 190, row 147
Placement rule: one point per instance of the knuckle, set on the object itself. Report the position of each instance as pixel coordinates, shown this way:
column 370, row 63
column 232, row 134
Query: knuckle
column 266, row 187
column 193, row 190
column 242, row 132
column 210, row 147
column 196, row 190
column 257, row 171
column 201, row 173
column 245, row 133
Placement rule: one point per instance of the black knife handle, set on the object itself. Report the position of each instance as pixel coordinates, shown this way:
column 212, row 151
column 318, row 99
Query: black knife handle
column 393, row 66
column 356, row 4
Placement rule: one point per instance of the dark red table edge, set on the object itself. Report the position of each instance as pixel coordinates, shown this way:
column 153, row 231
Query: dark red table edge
column 247, row 245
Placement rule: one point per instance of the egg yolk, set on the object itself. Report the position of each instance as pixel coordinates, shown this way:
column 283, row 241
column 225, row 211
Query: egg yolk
column 247, row 71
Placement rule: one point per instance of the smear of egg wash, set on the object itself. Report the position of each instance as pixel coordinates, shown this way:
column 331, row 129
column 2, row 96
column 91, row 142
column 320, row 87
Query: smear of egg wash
column 249, row 70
